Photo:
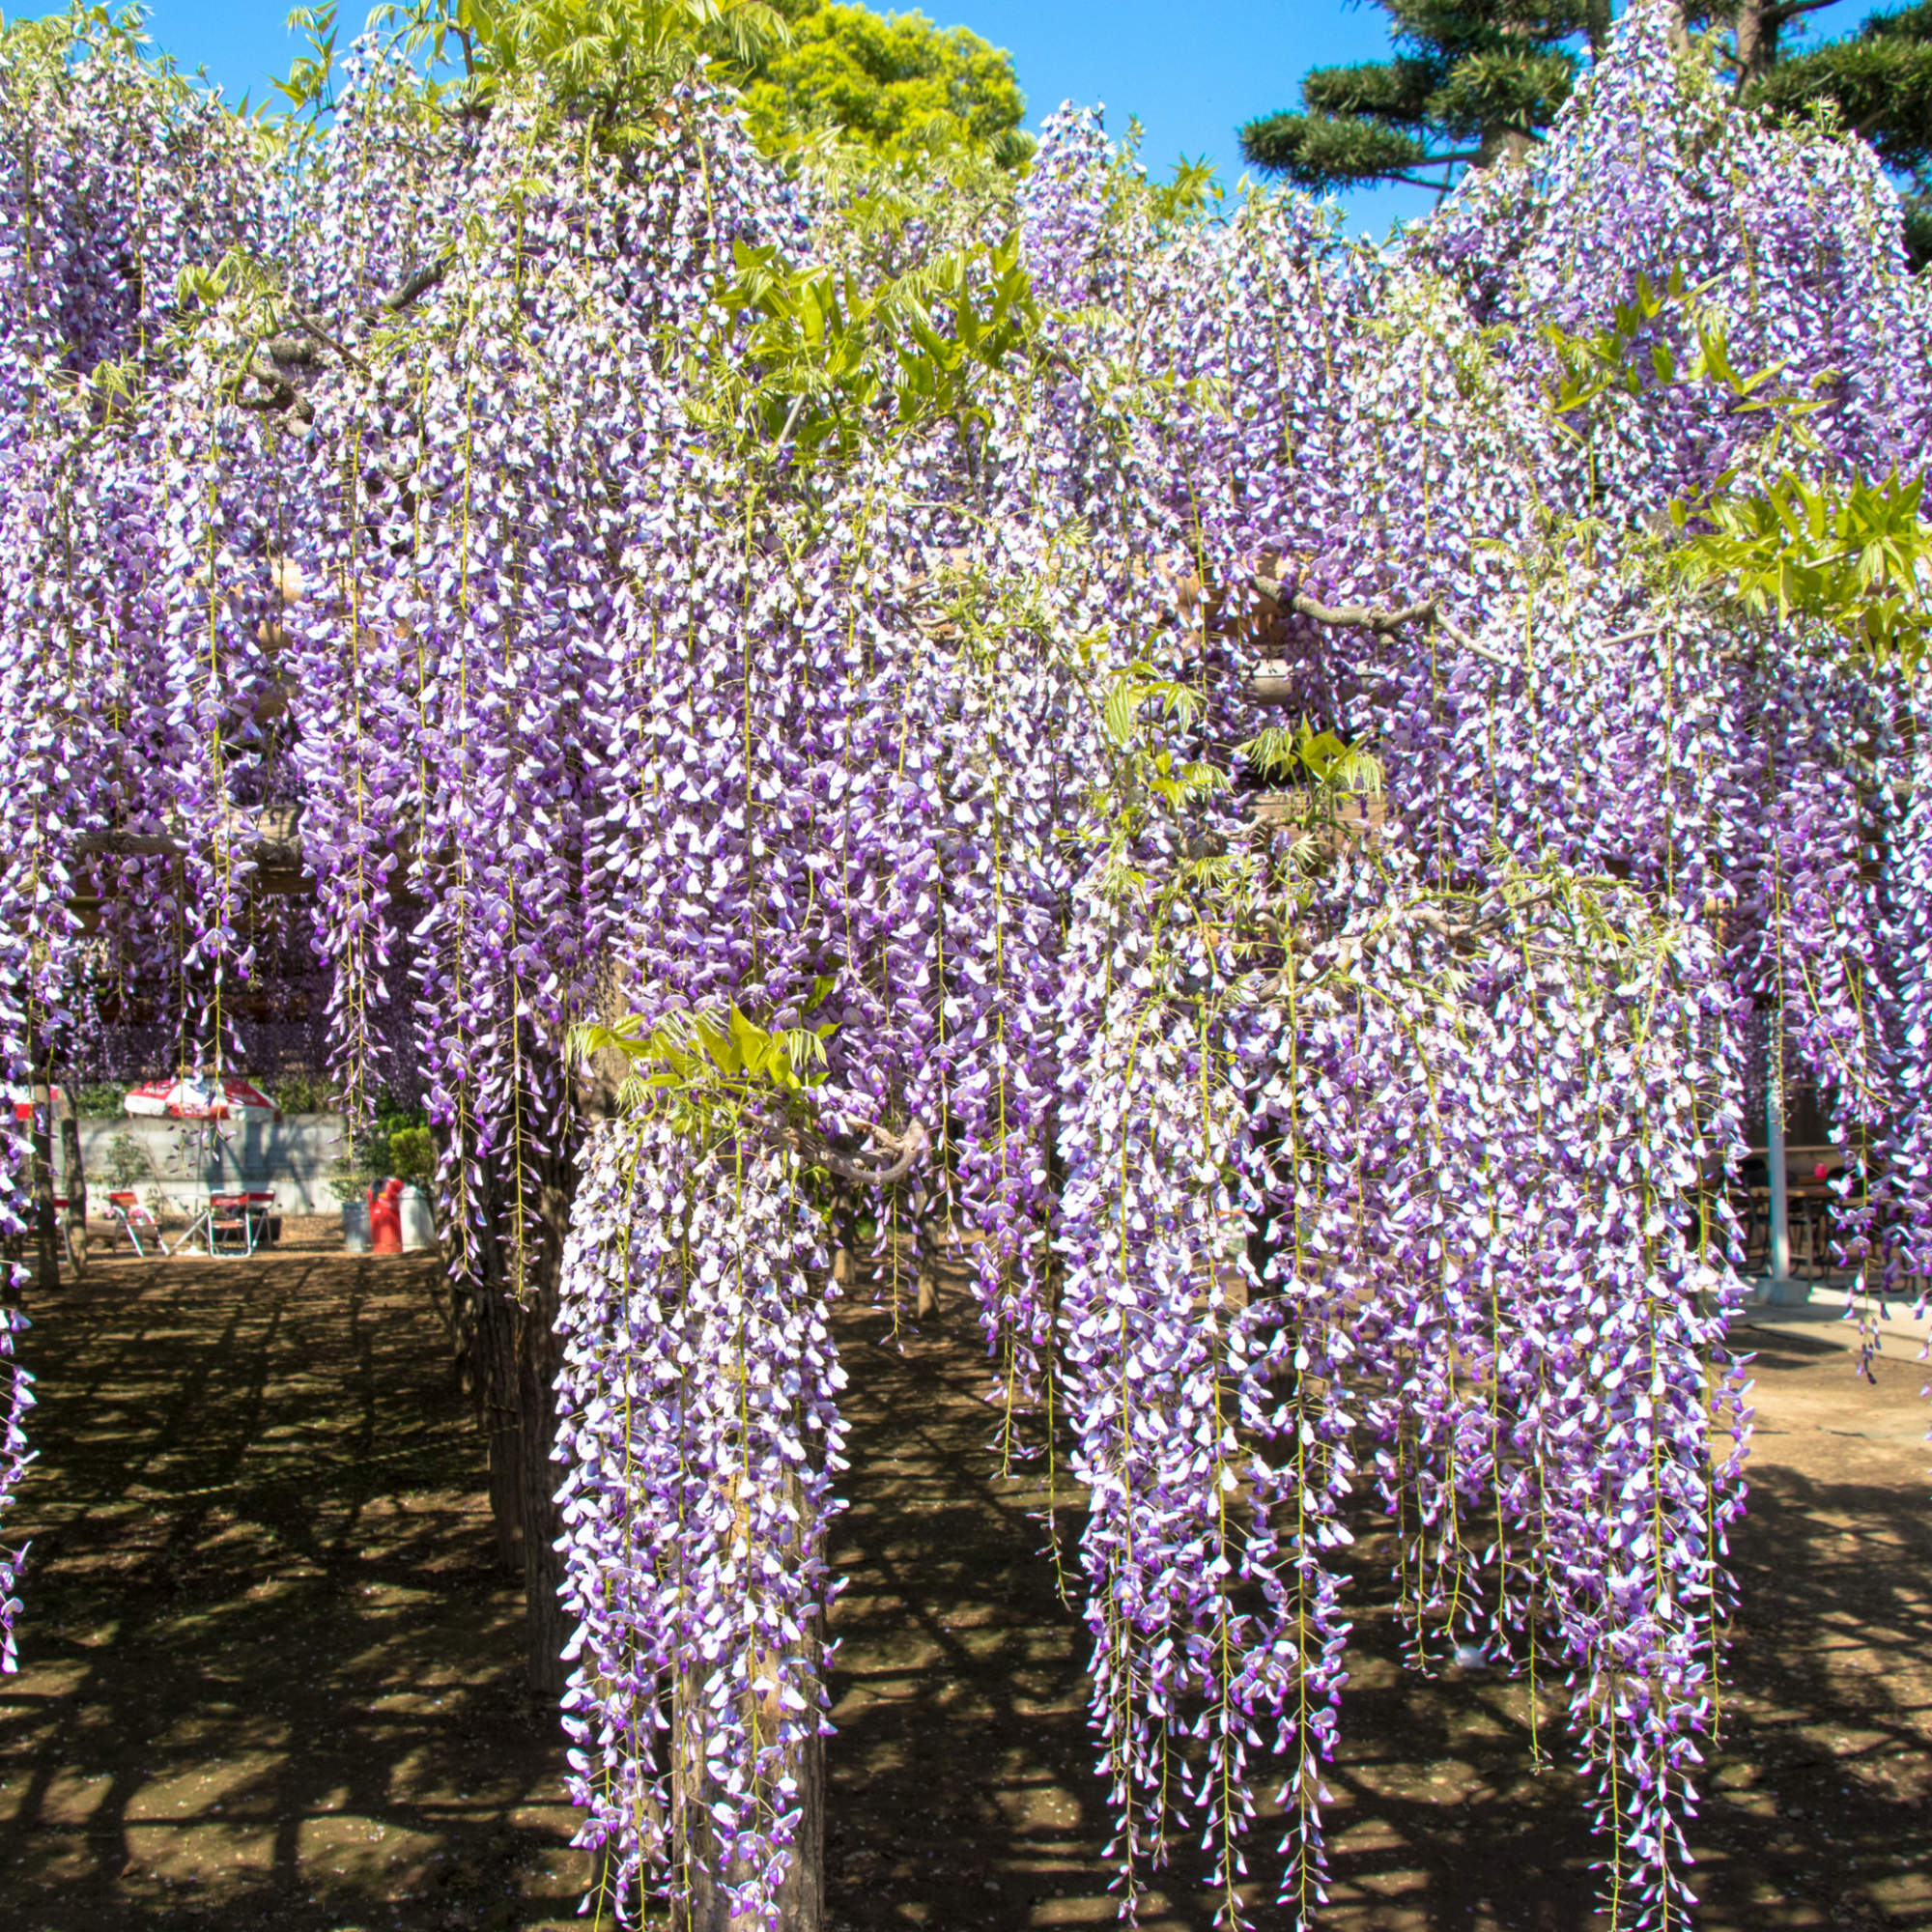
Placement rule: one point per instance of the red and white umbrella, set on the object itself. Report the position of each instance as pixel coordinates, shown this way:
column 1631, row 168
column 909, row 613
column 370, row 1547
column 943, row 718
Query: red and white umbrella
column 230, row 1099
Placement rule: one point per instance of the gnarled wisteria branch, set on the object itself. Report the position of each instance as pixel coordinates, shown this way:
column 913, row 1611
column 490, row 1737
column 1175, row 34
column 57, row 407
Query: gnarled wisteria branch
column 901, row 1151
column 1343, row 616
column 1371, row 1176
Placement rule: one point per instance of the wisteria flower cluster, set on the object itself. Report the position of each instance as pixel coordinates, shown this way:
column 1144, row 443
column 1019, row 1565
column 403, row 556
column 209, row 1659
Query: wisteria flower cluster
column 662, row 594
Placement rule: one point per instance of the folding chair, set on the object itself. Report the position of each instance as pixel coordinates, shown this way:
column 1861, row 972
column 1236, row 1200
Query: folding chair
column 73, row 1234
column 127, row 1214
column 264, row 1217
column 231, row 1228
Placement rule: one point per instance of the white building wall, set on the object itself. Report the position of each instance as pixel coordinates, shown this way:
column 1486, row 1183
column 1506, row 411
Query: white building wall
column 188, row 1159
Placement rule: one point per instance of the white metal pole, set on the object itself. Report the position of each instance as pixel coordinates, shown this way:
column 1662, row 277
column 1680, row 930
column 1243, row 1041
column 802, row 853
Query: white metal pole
column 1774, row 1154
column 1782, row 1287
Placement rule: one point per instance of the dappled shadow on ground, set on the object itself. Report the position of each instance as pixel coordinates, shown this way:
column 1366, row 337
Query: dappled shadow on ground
column 270, row 1678
column 962, row 1775
column 268, row 1674
column 1820, row 1808
column 964, row 1792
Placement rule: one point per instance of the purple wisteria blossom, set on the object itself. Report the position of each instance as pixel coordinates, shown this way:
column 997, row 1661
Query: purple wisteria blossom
column 1337, row 1117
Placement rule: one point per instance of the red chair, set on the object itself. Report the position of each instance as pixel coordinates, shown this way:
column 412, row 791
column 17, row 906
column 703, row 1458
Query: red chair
column 127, row 1214
column 264, row 1216
column 231, row 1228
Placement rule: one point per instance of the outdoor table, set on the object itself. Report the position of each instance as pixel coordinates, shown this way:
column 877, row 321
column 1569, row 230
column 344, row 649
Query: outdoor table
column 1809, row 1210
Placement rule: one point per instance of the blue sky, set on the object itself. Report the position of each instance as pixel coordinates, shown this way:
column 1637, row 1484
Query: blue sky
column 1191, row 73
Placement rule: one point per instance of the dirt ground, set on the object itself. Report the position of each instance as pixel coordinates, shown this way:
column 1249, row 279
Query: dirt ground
column 270, row 1672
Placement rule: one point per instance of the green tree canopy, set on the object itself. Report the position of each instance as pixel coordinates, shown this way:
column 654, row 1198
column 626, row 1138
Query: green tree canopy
column 1472, row 80
column 1880, row 80
column 610, row 60
column 894, row 84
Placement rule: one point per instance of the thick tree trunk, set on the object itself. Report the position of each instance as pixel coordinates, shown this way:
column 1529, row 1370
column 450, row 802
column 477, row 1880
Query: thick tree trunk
column 483, row 1332
column 46, row 1228
column 926, row 1303
column 74, row 1175
column 507, row 1478
column 1757, row 42
column 495, row 1336
column 539, row 1356
column 508, row 1356
column 801, row 1899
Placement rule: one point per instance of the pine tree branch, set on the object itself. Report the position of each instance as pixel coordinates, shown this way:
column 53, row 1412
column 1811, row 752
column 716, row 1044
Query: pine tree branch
column 1789, row 10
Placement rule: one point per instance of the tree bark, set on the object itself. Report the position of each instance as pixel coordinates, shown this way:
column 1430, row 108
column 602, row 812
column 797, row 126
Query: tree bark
column 1757, row 42
column 494, row 1328
column 75, row 1175
column 46, row 1228
column 483, row 1335
column 507, row 1477
column 925, row 1303
column 508, row 1355
column 1760, row 29
column 539, row 1356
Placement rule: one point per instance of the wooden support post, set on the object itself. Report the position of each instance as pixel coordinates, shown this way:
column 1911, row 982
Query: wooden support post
column 802, row 1897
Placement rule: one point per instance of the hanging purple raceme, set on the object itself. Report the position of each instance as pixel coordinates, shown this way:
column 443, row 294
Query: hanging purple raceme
column 1194, row 1465
column 1338, row 1130
column 1495, row 1200
column 700, row 1383
column 16, row 1222
column 15, row 1456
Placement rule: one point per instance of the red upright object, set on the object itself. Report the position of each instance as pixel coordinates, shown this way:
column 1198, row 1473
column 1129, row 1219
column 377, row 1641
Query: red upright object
column 386, row 1218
